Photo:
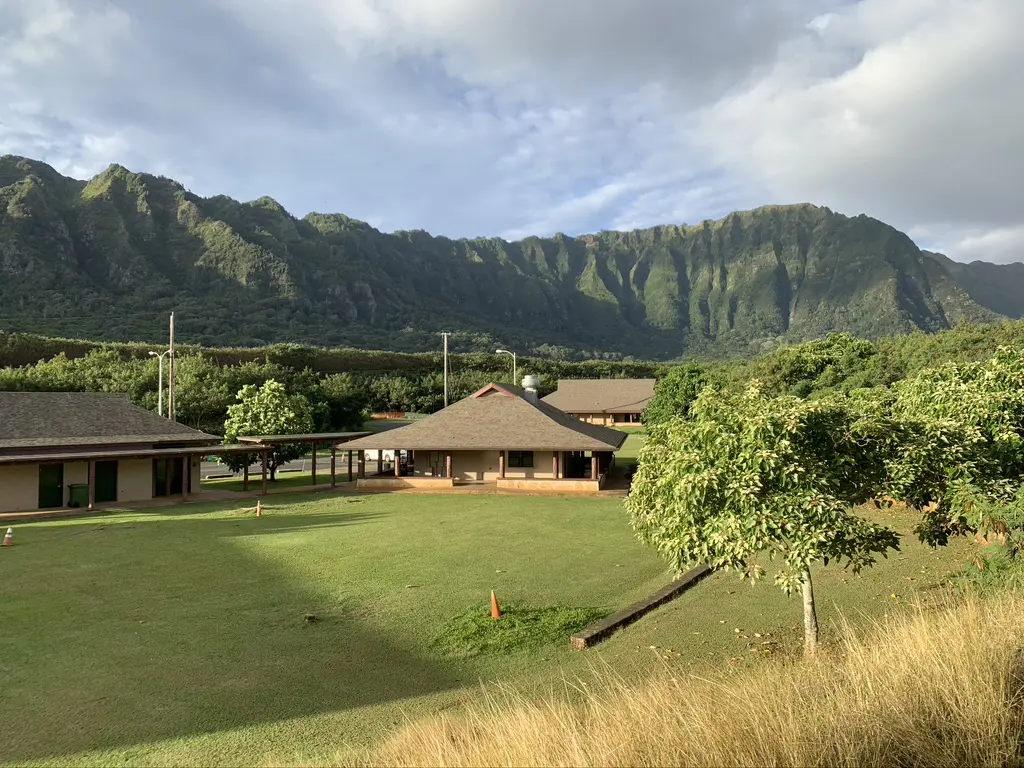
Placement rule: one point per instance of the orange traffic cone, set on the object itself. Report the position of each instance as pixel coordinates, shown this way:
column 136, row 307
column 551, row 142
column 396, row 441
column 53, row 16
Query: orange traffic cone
column 259, row 508
column 9, row 538
column 495, row 610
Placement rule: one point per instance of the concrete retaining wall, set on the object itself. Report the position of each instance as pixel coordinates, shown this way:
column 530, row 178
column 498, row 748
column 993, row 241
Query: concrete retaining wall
column 541, row 484
column 595, row 633
column 393, row 483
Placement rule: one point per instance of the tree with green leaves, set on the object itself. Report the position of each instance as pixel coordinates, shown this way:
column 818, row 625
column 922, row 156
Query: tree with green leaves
column 674, row 393
column 959, row 455
column 745, row 475
column 267, row 410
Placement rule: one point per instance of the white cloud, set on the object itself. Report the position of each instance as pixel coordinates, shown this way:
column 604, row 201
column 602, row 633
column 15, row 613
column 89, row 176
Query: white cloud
column 480, row 117
column 921, row 129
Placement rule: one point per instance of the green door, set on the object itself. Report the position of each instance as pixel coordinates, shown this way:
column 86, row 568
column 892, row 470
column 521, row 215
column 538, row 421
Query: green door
column 159, row 477
column 174, row 469
column 51, row 486
column 106, row 481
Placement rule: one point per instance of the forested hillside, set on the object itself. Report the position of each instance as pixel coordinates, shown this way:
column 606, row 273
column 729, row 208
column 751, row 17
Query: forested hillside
column 109, row 258
column 343, row 383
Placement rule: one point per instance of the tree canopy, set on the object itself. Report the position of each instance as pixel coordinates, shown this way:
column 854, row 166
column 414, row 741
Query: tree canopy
column 268, row 410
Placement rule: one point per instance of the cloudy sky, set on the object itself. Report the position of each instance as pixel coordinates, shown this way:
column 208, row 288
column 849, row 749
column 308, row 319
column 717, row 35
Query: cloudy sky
column 513, row 117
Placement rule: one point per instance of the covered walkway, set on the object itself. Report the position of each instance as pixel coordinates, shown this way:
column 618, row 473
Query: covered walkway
column 264, row 444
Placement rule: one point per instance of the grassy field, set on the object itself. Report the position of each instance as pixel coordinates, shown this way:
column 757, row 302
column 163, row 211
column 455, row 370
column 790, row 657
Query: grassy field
column 177, row 636
column 631, row 447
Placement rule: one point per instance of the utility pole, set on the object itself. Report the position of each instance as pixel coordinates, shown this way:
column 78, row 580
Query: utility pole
column 445, row 335
column 170, row 375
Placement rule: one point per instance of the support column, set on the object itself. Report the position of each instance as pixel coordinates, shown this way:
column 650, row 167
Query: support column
column 554, row 464
column 314, row 463
column 362, row 464
column 92, row 485
column 398, row 463
column 350, row 466
column 265, row 473
column 186, row 476
column 245, row 472
column 501, row 465
column 593, row 465
column 334, row 464
column 449, row 467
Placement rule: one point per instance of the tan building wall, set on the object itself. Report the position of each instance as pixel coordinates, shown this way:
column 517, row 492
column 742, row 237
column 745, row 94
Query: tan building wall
column 604, row 419
column 134, row 479
column 542, row 466
column 19, row 483
column 19, row 487
column 479, row 466
column 75, row 472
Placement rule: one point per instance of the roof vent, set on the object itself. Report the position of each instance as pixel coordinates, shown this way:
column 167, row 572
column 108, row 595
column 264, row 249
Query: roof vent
column 530, row 384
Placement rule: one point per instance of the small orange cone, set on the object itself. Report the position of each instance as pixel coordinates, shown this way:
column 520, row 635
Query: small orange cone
column 9, row 538
column 259, row 508
column 495, row 610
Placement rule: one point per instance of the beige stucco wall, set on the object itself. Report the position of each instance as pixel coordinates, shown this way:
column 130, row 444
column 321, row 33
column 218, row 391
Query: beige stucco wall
column 604, row 420
column 468, row 466
column 477, row 466
column 75, row 472
column 19, row 487
column 541, row 467
column 134, row 479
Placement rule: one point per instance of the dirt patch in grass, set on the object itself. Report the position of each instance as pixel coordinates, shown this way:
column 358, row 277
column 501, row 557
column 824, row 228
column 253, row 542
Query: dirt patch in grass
column 521, row 628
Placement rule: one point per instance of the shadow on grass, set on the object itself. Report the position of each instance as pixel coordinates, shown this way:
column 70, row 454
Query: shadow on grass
column 125, row 633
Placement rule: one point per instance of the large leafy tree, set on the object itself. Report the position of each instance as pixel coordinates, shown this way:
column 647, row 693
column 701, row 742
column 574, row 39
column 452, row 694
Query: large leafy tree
column 268, row 410
column 745, row 474
column 959, row 453
column 674, row 394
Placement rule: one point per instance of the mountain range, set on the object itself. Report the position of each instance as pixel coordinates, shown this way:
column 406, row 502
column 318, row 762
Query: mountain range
column 108, row 258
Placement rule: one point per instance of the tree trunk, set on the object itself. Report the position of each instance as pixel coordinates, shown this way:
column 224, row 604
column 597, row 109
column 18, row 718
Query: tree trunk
column 810, row 617
column 273, row 472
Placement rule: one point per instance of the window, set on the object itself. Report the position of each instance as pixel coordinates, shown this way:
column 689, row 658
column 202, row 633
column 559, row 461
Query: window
column 520, row 458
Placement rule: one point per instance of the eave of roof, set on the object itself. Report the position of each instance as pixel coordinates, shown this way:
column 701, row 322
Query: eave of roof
column 320, row 437
column 140, row 453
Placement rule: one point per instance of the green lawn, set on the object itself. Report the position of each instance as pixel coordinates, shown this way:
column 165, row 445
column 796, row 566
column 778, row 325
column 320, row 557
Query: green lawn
column 627, row 455
column 176, row 636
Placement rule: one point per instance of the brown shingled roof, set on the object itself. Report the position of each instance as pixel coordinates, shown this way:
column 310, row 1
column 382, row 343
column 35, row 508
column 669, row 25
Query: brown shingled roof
column 498, row 417
column 59, row 419
column 602, row 395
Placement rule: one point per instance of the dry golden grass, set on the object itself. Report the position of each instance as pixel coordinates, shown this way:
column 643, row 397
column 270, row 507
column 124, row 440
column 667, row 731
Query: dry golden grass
column 935, row 688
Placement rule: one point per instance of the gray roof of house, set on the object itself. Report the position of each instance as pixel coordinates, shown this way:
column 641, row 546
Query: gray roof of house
column 63, row 419
column 602, row 395
column 498, row 417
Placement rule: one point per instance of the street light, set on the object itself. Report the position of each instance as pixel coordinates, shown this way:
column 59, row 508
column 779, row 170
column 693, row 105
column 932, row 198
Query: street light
column 506, row 352
column 160, row 385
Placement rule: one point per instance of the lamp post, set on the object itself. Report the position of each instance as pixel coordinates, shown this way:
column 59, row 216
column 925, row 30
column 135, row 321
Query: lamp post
column 160, row 385
column 507, row 352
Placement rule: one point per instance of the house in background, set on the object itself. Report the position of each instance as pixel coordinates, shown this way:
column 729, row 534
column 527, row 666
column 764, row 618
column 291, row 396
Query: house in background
column 609, row 402
column 60, row 449
column 501, row 434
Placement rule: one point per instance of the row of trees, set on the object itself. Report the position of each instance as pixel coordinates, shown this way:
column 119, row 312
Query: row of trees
column 731, row 471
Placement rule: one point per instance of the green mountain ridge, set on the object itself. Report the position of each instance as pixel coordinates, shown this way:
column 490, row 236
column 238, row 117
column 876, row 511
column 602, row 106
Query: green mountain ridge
column 108, row 258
